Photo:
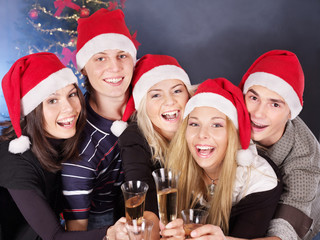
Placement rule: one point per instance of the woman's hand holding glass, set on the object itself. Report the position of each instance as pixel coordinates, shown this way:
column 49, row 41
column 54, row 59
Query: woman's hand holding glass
column 210, row 231
column 173, row 230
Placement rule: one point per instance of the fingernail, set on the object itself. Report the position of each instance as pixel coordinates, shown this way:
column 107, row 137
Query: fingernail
column 193, row 234
column 169, row 225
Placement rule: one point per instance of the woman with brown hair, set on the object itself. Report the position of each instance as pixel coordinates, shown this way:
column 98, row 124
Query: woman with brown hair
column 46, row 110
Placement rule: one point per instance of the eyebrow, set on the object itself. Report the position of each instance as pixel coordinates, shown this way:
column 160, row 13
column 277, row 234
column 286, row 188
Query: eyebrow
column 213, row 118
column 54, row 94
column 179, row 84
column 269, row 99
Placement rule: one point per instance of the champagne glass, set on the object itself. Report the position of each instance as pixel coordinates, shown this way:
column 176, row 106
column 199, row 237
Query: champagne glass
column 192, row 219
column 140, row 231
column 134, row 193
column 167, row 193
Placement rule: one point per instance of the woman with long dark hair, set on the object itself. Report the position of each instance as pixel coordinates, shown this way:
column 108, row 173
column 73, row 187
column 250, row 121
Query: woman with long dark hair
column 46, row 110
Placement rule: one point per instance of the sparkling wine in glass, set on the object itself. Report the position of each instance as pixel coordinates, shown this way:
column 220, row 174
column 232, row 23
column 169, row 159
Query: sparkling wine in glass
column 134, row 193
column 192, row 219
column 167, row 193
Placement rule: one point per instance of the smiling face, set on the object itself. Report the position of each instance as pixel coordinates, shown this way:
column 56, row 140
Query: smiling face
column 110, row 72
column 165, row 104
column 61, row 111
column 269, row 114
column 207, row 138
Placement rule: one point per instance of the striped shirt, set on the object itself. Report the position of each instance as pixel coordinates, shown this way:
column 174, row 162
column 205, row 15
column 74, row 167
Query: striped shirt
column 92, row 184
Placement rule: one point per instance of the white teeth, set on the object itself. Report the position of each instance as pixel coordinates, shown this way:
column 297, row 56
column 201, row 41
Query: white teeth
column 66, row 120
column 257, row 124
column 170, row 115
column 204, row 147
column 113, row 80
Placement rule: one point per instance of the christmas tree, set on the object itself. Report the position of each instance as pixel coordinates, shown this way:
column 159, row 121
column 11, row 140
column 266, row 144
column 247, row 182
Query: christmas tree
column 51, row 26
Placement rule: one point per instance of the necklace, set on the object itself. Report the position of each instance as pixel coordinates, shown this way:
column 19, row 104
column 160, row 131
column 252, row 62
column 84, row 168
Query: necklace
column 212, row 185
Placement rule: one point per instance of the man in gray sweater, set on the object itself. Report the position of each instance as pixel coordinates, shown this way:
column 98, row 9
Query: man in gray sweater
column 273, row 88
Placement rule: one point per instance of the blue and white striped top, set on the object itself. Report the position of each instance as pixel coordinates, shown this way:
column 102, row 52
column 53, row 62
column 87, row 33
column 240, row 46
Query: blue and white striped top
column 92, row 184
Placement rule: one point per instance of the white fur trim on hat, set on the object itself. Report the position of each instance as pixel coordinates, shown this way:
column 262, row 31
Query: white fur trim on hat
column 103, row 42
column 19, row 145
column 118, row 127
column 155, row 75
column 278, row 85
column 213, row 100
column 245, row 157
column 259, row 176
column 40, row 92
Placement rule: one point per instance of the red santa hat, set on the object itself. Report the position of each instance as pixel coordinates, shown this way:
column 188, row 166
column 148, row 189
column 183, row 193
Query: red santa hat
column 30, row 80
column 221, row 94
column 149, row 70
column 103, row 30
column 279, row 71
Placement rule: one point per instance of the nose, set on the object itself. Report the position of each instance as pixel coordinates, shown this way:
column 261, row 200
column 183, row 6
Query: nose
column 67, row 106
column 113, row 65
column 203, row 132
column 259, row 110
column 169, row 100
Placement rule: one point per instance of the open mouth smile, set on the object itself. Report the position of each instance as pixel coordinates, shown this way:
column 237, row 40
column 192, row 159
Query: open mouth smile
column 67, row 122
column 204, row 150
column 171, row 115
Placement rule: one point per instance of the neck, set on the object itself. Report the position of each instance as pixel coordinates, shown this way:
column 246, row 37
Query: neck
column 211, row 177
column 109, row 107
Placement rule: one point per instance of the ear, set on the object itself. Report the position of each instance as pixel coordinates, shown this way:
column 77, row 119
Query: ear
column 289, row 115
column 84, row 72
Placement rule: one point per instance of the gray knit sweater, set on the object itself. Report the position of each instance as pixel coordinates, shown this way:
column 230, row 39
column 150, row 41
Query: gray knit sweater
column 297, row 154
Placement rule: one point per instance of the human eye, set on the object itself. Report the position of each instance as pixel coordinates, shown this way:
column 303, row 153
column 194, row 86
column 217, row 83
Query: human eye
column 100, row 59
column 217, row 125
column 52, row 101
column 155, row 95
column 193, row 124
column 123, row 56
column 74, row 94
column 253, row 97
column 276, row 105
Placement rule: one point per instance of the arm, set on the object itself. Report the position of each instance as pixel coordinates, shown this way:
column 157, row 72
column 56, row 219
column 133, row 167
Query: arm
column 154, row 218
column 216, row 232
column 297, row 154
column 77, row 188
column 77, row 225
column 42, row 219
column 137, row 163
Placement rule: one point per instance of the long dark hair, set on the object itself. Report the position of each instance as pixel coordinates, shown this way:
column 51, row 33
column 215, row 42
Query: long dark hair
column 32, row 126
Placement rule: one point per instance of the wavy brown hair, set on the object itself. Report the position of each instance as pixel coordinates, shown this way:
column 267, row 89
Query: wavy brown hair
column 32, row 126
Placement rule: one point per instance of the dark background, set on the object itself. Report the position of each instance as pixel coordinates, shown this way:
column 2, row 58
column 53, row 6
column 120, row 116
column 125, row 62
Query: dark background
column 222, row 38
column 210, row 38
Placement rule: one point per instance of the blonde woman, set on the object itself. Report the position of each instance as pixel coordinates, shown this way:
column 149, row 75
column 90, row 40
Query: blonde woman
column 161, row 88
column 220, row 170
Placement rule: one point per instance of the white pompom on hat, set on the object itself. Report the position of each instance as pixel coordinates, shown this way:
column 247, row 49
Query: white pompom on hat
column 149, row 70
column 279, row 71
column 30, row 80
column 103, row 30
column 222, row 95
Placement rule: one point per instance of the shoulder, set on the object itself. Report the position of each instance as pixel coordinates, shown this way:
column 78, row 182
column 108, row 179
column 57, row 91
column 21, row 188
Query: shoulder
column 132, row 136
column 259, row 176
column 305, row 143
column 19, row 170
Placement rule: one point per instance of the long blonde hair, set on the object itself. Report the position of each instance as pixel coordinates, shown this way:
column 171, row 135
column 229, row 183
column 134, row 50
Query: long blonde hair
column 158, row 144
column 192, row 186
